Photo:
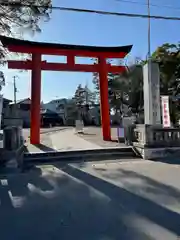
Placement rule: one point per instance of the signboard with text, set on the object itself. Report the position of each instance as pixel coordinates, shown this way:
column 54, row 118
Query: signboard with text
column 165, row 111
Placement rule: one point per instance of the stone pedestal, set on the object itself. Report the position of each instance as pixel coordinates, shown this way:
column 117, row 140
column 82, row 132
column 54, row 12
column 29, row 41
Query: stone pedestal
column 11, row 155
column 1, row 108
column 154, row 142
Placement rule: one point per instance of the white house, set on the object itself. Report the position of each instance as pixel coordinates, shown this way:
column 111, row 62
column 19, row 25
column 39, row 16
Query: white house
column 58, row 106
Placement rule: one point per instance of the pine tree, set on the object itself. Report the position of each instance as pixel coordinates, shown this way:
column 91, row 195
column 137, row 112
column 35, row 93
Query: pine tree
column 16, row 19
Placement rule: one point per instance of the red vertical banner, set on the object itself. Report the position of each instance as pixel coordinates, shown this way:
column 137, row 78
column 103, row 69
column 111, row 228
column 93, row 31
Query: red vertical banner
column 165, row 111
column 35, row 99
column 103, row 85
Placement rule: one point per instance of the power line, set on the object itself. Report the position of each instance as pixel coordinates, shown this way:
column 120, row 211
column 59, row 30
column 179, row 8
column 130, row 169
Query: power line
column 151, row 4
column 81, row 10
column 59, row 8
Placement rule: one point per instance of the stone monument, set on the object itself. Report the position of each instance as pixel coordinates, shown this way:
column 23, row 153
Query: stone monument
column 152, row 109
column 152, row 140
column 2, row 83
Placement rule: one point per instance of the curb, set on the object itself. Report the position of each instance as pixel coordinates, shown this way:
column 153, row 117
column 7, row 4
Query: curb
column 81, row 155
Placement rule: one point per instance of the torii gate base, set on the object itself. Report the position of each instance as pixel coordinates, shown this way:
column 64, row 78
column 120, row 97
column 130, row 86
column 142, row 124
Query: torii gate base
column 70, row 51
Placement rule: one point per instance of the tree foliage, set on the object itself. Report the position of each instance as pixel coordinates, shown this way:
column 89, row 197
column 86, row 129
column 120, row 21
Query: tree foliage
column 168, row 57
column 116, row 90
column 129, row 84
column 134, row 80
column 84, row 96
column 2, row 80
column 16, row 18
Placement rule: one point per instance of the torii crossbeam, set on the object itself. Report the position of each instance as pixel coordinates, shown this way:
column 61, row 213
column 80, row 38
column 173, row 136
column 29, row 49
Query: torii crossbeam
column 36, row 65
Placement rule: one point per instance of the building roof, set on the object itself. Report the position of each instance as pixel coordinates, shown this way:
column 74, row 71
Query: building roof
column 7, row 100
column 6, row 41
column 21, row 101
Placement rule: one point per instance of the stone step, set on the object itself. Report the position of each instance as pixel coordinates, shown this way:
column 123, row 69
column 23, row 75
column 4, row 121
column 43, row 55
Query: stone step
column 81, row 155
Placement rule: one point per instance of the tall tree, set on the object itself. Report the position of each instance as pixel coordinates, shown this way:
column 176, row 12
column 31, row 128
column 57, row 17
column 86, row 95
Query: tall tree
column 22, row 15
column 168, row 57
column 117, row 90
column 134, row 79
column 2, row 80
column 84, row 98
column 79, row 96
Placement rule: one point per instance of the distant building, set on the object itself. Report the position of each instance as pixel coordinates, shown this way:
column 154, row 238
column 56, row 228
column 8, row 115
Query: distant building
column 58, row 106
column 6, row 103
column 67, row 110
column 18, row 111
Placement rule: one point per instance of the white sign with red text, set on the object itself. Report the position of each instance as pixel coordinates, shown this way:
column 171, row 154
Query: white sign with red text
column 165, row 111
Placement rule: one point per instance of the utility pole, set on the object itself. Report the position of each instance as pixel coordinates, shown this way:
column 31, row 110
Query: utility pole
column 149, row 30
column 149, row 42
column 15, row 88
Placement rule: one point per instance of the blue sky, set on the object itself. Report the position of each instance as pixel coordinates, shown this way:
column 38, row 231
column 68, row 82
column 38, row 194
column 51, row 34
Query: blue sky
column 93, row 29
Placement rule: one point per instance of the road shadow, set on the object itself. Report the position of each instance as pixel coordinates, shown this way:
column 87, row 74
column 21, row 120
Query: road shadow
column 44, row 148
column 87, row 134
column 57, row 206
column 68, row 203
column 169, row 160
column 14, row 185
column 114, row 140
column 36, row 206
column 144, row 185
column 124, row 201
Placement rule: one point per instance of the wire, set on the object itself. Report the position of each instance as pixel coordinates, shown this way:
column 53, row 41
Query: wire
column 119, row 14
column 57, row 7
column 152, row 5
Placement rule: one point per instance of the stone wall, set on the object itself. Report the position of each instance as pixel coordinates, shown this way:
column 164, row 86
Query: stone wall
column 157, row 142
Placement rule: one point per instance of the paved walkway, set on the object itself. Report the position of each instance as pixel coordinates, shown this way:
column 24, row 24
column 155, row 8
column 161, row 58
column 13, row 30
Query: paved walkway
column 137, row 200
column 68, row 140
column 94, row 135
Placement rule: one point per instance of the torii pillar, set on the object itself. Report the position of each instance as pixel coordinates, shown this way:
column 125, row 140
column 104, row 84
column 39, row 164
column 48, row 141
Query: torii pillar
column 103, row 85
column 35, row 98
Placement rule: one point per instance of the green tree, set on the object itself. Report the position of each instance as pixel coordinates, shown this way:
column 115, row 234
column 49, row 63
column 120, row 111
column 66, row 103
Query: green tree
column 116, row 90
column 2, row 80
column 83, row 98
column 16, row 18
column 134, row 79
column 168, row 57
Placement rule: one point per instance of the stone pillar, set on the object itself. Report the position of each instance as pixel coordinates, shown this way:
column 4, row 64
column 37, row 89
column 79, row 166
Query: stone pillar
column 1, row 108
column 152, row 110
column 35, row 99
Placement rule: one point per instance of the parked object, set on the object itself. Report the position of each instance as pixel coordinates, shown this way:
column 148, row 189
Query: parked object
column 13, row 147
column 120, row 134
column 79, row 126
column 129, row 125
column 49, row 118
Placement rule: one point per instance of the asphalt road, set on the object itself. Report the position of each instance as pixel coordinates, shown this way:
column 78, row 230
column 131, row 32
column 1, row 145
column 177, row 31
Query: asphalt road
column 137, row 200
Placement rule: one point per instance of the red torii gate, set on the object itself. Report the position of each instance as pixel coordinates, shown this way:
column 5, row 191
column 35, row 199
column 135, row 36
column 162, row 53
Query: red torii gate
column 37, row 49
